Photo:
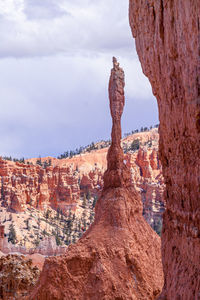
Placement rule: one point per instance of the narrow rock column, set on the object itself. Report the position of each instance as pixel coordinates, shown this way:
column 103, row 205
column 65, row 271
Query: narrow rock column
column 119, row 255
column 117, row 174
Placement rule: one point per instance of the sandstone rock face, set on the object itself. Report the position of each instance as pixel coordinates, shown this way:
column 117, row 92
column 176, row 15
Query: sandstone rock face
column 119, row 256
column 92, row 181
column 7, row 247
column 167, row 42
column 47, row 247
column 23, row 184
column 147, row 177
column 37, row 260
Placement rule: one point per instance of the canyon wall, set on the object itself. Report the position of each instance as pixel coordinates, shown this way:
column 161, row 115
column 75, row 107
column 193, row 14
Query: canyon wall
column 167, row 35
column 32, row 185
column 61, row 185
column 119, row 255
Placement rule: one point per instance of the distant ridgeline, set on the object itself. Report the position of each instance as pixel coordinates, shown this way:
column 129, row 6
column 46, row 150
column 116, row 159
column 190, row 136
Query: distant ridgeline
column 44, row 164
column 102, row 144
column 93, row 146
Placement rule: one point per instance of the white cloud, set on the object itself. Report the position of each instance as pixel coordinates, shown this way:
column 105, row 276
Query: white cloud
column 45, row 9
column 55, row 64
column 48, row 27
column 60, row 102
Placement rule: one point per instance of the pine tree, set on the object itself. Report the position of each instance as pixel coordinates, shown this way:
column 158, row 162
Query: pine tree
column 45, row 165
column 12, row 234
column 36, row 241
column 88, row 195
column 94, row 201
column 157, row 226
column 47, row 214
column 84, row 225
column 2, row 189
column 58, row 241
column 58, row 213
column 84, row 201
column 70, row 214
column 39, row 161
column 135, row 145
column 27, row 224
column 91, row 217
column 22, row 160
column 74, row 239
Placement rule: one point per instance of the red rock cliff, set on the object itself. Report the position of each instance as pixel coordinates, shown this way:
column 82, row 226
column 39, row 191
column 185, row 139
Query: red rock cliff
column 119, row 256
column 22, row 184
column 167, row 41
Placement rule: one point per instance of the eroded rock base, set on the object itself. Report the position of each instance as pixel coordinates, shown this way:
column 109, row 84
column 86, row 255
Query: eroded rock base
column 118, row 258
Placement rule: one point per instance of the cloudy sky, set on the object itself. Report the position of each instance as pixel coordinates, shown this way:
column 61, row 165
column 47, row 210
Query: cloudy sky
column 55, row 61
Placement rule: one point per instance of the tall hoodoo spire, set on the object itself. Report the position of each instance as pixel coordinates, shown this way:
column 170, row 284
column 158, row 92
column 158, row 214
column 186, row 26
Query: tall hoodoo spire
column 119, row 255
column 117, row 174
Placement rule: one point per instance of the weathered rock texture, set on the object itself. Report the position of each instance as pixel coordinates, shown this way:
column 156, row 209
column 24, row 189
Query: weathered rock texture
column 167, row 41
column 119, row 256
column 23, row 184
column 17, row 276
